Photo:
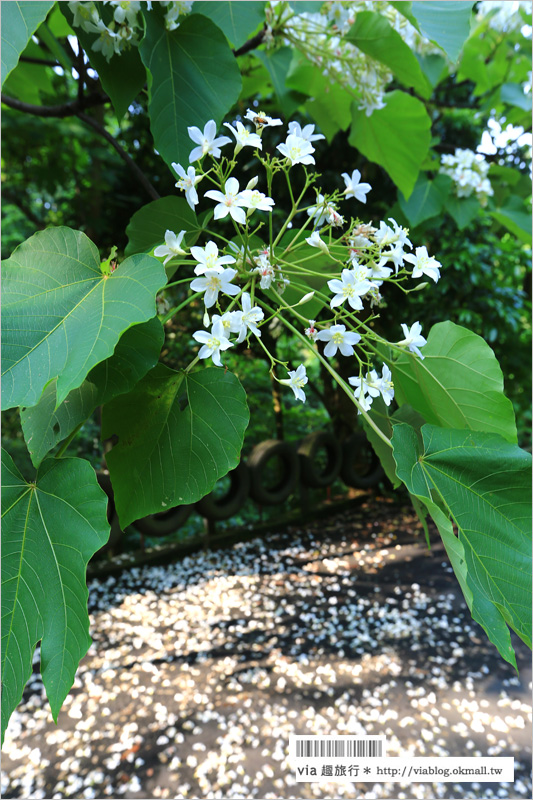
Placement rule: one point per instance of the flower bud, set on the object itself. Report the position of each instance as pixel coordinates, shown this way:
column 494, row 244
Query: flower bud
column 305, row 298
column 420, row 287
column 252, row 183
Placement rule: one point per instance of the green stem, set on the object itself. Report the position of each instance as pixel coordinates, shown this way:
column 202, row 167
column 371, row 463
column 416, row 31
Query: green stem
column 175, row 310
column 344, row 386
column 69, row 439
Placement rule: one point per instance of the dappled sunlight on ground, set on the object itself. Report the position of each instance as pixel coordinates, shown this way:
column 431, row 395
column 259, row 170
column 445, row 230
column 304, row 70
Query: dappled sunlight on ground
column 200, row 670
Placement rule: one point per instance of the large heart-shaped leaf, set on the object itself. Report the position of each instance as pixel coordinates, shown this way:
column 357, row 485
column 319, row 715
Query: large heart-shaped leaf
column 50, row 529
column 458, row 384
column 19, row 22
column 62, row 316
column 146, row 229
column 44, row 425
column 177, row 435
column 236, row 20
column 373, row 34
column 195, row 78
column 485, row 483
column 396, row 137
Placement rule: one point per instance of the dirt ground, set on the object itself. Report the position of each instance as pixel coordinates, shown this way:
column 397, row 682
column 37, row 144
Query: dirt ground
column 200, row 670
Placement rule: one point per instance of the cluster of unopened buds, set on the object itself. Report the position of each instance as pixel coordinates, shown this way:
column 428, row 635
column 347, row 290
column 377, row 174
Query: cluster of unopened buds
column 354, row 265
column 469, row 172
column 125, row 27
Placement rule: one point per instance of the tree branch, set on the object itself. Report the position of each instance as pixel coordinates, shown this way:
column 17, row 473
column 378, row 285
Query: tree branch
column 139, row 174
column 251, row 44
column 64, row 110
column 46, row 62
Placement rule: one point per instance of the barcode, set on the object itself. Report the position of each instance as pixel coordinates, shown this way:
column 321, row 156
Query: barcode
column 339, row 748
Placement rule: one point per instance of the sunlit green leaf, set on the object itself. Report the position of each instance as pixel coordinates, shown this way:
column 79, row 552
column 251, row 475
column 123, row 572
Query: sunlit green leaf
column 62, row 316
column 458, row 384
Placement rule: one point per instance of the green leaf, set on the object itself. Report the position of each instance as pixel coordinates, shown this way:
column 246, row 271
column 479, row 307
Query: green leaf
column 427, row 199
column 513, row 94
column 444, row 23
column 329, row 104
column 516, row 218
column 278, row 63
column 434, row 67
column 331, row 110
column 177, row 435
column 396, row 137
column 146, row 229
column 462, row 209
column 44, row 425
column 123, row 76
column 458, row 384
column 311, row 7
column 195, row 78
column 19, row 23
column 61, row 316
column 373, row 35
column 50, row 529
column 485, row 483
column 28, row 81
column 237, row 21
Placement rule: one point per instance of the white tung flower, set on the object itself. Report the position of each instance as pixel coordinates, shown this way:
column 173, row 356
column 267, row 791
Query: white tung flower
column 383, row 385
column 247, row 319
column 307, row 132
column 208, row 258
column 315, row 241
column 354, row 188
column 413, row 338
column 187, row 183
column 297, row 150
column 244, row 137
column 424, row 264
column 172, row 246
column 261, row 120
column 361, row 393
column 351, row 287
column 206, row 141
column 213, row 342
column 214, row 282
column 319, row 212
column 296, row 380
column 253, row 199
column 338, row 338
column 230, row 202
